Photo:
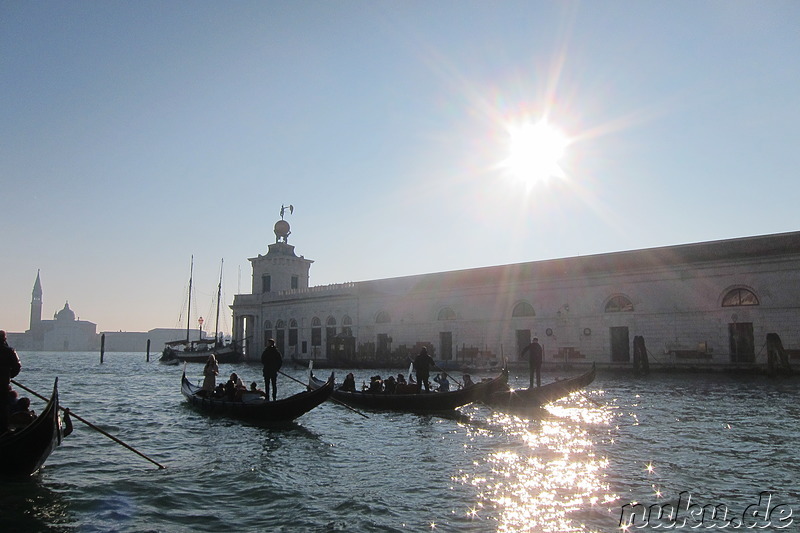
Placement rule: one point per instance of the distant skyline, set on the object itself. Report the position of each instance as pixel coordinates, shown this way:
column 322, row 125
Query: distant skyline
column 138, row 134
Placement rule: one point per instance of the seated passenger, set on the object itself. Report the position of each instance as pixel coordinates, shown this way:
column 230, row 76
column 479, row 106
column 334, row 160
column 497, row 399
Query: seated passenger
column 20, row 414
column 389, row 385
column 375, row 384
column 444, row 383
column 468, row 381
column 349, row 384
column 234, row 388
column 255, row 390
column 400, row 379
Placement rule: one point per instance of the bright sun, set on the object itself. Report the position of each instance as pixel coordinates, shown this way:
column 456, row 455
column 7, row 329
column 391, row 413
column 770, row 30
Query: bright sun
column 534, row 152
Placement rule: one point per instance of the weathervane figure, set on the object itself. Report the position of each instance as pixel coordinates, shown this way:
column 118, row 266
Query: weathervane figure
column 283, row 210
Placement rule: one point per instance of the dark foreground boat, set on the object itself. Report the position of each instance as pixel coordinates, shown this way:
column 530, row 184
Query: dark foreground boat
column 535, row 397
column 256, row 408
column 419, row 402
column 23, row 451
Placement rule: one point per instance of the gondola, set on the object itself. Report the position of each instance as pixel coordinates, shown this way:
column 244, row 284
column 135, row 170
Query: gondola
column 255, row 408
column 535, row 397
column 420, row 401
column 23, row 451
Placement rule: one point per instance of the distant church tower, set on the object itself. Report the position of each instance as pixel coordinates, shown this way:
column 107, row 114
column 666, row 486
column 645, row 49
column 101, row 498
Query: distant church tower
column 36, row 304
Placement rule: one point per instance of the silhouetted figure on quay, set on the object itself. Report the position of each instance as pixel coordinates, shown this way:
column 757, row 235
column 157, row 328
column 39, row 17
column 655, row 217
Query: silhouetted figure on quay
column 535, row 356
column 272, row 360
column 641, row 365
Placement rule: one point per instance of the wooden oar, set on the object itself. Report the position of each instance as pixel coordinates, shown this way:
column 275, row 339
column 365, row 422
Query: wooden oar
column 73, row 415
column 356, row 411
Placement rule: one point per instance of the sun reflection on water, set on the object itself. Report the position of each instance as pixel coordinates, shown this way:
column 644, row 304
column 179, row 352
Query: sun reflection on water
column 546, row 476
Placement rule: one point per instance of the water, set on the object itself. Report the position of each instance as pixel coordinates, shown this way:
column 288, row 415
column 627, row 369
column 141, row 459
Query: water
column 722, row 440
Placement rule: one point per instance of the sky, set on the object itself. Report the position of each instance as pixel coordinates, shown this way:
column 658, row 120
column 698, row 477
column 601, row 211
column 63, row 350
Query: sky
column 135, row 135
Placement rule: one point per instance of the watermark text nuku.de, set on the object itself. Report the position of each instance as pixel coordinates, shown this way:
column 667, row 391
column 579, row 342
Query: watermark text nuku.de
column 767, row 512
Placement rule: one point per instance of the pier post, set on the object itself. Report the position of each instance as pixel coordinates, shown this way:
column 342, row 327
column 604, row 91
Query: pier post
column 102, row 346
column 148, row 350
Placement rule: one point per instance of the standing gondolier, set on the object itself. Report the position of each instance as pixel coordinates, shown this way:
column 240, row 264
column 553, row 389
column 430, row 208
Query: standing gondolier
column 422, row 366
column 535, row 357
column 9, row 368
column 272, row 360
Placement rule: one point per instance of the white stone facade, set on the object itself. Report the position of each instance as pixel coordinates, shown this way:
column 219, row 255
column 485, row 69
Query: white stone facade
column 699, row 304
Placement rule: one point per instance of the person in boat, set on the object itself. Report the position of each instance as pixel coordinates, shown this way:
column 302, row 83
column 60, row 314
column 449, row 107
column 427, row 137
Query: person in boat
column 422, row 366
column 210, row 372
column 272, row 360
column 444, row 383
column 219, row 391
column 234, row 388
column 349, row 383
column 535, row 356
column 375, row 384
column 401, row 380
column 255, row 390
column 10, row 367
column 390, row 385
column 468, row 381
column 21, row 413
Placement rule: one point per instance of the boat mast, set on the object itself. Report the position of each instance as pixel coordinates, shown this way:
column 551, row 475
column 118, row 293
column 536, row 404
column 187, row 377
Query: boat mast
column 219, row 296
column 189, row 307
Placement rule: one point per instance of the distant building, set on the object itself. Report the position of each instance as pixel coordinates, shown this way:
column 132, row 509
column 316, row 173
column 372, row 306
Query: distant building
column 66, row 333
column 710, row 303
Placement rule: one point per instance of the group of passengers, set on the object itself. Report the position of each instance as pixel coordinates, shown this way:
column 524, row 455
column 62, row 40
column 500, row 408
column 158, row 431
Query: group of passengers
column 398, row 384
column 233, row 390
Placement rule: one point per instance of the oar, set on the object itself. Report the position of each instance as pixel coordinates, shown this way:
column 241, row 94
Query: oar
column 356, row 411
column 112, row 437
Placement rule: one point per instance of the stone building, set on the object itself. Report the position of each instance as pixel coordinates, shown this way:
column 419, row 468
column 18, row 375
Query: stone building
column 703, row 304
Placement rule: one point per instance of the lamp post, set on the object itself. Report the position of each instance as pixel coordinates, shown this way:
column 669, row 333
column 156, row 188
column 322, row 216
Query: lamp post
column 200, row 328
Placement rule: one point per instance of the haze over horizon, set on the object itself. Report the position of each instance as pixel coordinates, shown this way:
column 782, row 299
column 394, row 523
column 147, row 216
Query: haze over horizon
column 410, row 137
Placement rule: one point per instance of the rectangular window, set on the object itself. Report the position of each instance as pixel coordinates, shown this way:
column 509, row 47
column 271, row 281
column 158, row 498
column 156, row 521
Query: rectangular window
column 266, row 283
column 292, row 337
column 295, row 282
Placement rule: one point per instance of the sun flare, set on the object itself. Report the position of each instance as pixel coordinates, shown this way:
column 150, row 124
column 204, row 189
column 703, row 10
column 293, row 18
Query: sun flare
column 534, row 152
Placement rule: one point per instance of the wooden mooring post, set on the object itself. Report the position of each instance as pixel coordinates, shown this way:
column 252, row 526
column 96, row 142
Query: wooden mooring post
column 148, row 350
column 102, row 346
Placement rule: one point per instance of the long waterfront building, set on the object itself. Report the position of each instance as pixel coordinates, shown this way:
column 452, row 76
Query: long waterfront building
column 702, row 304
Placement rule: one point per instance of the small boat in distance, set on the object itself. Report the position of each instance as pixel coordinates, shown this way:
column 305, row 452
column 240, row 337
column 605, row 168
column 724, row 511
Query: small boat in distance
column 536, row 397
column 418, row 401
column 197, row 351
column 24, row 450
column 254, row 407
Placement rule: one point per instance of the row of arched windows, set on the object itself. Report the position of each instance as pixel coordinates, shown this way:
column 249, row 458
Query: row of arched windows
column 618, row 303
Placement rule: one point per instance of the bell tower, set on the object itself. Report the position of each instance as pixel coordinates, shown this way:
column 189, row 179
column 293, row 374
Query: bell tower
column 36, row 304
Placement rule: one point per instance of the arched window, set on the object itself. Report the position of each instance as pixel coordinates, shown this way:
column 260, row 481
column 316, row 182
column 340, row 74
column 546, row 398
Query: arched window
column 292, row 332
column 382, row 318
column 619, row 304
column 316, row 332
column 523, row 309
column 267, row 331
column 738, row 297
column 280, row 324
column 330, row 327
column 447, row 313
column 347, row 326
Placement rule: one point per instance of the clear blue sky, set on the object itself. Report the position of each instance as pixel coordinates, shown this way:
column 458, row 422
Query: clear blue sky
column 135, row 134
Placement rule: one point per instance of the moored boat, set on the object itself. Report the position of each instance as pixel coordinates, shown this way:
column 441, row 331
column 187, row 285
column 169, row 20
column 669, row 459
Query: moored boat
column 256, row 408
column 418, row 401
column 535, row 397
column 24, row 450
column 188, row 351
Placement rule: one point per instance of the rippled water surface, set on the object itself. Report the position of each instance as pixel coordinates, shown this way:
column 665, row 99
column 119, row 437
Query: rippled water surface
column 572, row 467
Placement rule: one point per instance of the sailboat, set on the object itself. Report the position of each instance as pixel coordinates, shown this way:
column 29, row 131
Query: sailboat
column 197, row 351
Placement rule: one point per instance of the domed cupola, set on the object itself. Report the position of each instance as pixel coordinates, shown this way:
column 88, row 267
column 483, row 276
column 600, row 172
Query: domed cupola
column 66, row 314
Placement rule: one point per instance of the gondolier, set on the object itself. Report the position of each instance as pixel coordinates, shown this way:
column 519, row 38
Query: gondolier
column 9, row 368
column 534, row 350
column 272, row 360
column 422, row 366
